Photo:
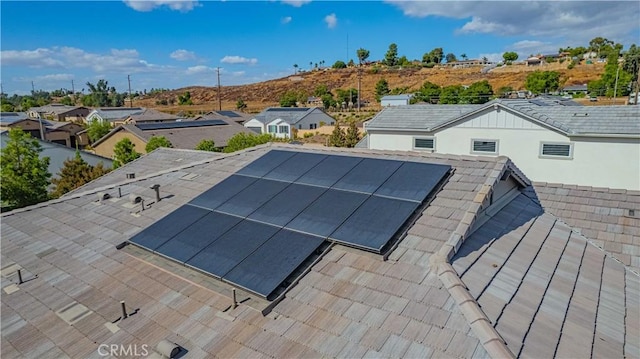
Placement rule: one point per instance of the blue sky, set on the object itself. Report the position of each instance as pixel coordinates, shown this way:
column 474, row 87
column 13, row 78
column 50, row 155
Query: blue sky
column 174, row 44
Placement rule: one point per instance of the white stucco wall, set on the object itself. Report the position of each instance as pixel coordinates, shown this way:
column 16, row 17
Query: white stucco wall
column 386, row 103
column 255, row 123
column 598, row 162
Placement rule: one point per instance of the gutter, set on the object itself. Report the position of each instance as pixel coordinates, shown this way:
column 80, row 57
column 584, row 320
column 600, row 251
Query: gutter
column 606, row 135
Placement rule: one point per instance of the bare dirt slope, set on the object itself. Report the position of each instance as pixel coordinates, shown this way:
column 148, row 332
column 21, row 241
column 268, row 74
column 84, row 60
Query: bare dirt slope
column 257, row 96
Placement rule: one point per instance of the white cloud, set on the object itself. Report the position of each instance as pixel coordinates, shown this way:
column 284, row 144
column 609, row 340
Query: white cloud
column 576, row 22
column 32, row 58
column 296, row 3
column 183, row 55
column 331, row 20
column 238, row 73
column 493, row 57
column 286, row 19
column 55, row 77
column 238, row 60
column 149, row 5
column 200, row 69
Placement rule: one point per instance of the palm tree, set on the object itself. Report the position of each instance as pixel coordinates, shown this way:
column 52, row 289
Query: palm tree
column 295, row 66
column 464, row 57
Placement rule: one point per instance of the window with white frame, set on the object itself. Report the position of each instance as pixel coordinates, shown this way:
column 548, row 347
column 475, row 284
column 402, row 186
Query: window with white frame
column 283, row 129
column 556, row 150
column 272, row 129
column 424, row 143
column 484, row 146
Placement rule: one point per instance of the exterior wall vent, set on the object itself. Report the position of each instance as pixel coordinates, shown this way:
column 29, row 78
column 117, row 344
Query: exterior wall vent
column 131, row 175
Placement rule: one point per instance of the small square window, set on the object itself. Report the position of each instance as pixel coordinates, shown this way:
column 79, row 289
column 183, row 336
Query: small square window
column 283, row 129
column 272, row 129
column 484, row 146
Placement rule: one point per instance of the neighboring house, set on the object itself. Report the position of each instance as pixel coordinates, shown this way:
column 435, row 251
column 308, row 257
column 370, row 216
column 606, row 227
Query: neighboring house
column 182, row 135
column 236, row 116
column 64, row 133
column 534, row 61
column 280, row 121
column 581, row 145
column 395, row 100
column 481, row 270
column 147, row 115
column 59, row 153
column 60, row 112
column 113, row 114
column 575, row 89
column 314, row 101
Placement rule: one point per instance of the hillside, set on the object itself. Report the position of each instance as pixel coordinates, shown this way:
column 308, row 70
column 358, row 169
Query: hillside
column 257, row 96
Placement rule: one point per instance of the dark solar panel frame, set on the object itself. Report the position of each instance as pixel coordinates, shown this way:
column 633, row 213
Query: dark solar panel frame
column 329, row 171
column 164, row 229
column 181, row 124
column 413, row 181
column 228, row 113
column 198, row 236
column 295, row 166
column 252, row 197
column 374, row 223
column 266, row 163
column 223, row 191
column 264, row 270
column 367, row 175
column 231, row 248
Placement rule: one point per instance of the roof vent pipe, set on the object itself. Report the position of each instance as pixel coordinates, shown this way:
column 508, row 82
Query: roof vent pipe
column 156, row 187
column 167, row 349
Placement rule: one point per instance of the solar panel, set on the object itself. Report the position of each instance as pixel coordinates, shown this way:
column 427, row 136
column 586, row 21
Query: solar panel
column 181, row 124
column 295, row 166
column 368, row 175
column 327, row 213
column 286, row 205
column 232, row 248
column 374, row 223
column 413, row 181
column 161, row 231
column 252, row 197
column 197, row 236
column 228, row 113
column 266, row 163
column 329, row 171
column 221, row 192
column 264, row 270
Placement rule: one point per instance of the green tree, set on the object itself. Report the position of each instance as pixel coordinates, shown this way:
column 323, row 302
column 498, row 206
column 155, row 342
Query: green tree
column 24, row 176
column 185, row 99
column 289, row 99
column 434, row 56
column 124, row 152
column 478, row 93
column 337, row 137
column 428, row 92
column 295, row 69
column 99, row 96
column 391, row 57
column 8, row 107
column 352, row 136
column 451, row 58
column 382, row 89
column 240, row 105
column 614, row 74
column 542, row 81
column 505, row 91
column 451, row 94
column 601, row 46
column 321, row 90
column 339, row 65
column 75, row 173
column 244, row 140
column 157, row 141
column 464, row 57
column 632, row 64
column 98, row 129
column 207, row 145
column 363, row 55
column 346, row 96
column 509, row 57
column 328, row 101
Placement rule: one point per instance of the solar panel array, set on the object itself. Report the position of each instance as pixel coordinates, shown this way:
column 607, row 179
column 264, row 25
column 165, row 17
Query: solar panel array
column 178, row 124
column 259, row 225
column 228, row 113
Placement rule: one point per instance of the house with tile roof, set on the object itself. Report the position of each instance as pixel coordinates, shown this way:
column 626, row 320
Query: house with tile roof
column 281, row 121
column 236, row 116
column 481, row 270
column 550, row 140
column 181, row 134
column 395, row 100
column 61, row 132
column 60, row 112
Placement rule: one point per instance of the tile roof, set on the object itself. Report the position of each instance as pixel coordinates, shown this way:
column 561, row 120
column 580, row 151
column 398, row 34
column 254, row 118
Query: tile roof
column 291, row 115
column 350, row 303
column 547, row 290
column 7, row 118
column 610, row 218
column 571, row 120
column 116, row 113
column 149, row 114
column 55, row 108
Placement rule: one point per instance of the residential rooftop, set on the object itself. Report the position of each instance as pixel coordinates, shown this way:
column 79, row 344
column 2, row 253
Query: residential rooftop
column 470, row 277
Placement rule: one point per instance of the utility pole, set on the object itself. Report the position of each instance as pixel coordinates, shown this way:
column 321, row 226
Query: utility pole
column 73, row 92
column 615, row 88
column 33, row 89
column 130, row 98
column 359, row 83
column 219, row 96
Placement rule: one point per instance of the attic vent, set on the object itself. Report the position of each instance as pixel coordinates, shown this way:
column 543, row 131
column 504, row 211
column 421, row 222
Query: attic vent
column 424, row 143
column 580, row 114
column 484, row 146
column 556, row 150
column 131, row 175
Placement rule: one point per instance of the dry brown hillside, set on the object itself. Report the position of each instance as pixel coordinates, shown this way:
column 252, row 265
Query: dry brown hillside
column 264, row 94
